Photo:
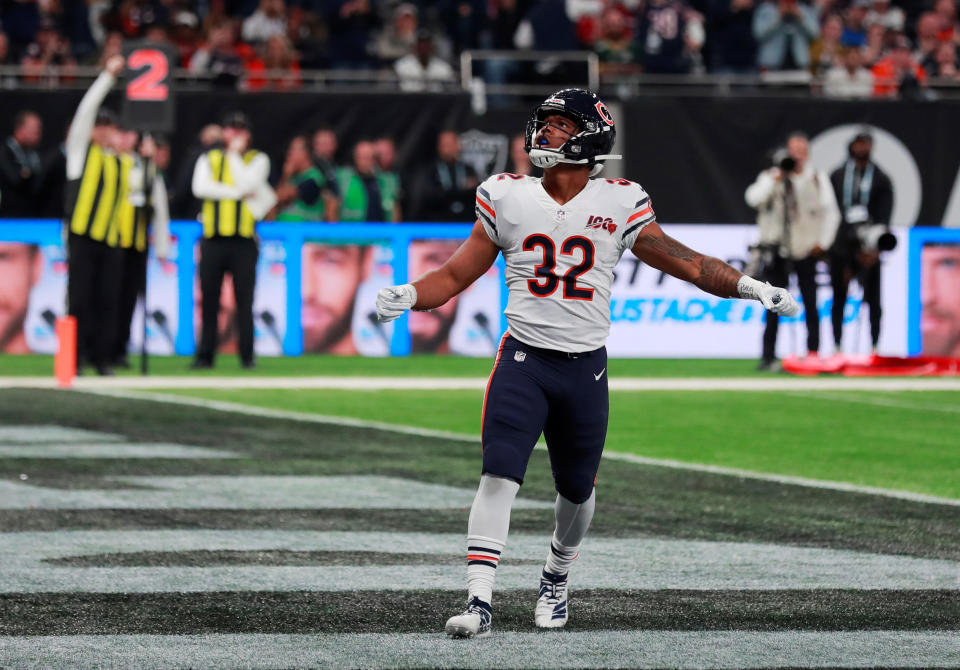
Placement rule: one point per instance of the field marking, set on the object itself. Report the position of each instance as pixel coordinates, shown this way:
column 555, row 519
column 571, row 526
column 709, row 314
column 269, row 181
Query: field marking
column 21, row 434
column 687, row 650
column 610, row 563
column 251, row 410
column 876, row 401
column 479, row 383
column 251, row 492
column 112, row 450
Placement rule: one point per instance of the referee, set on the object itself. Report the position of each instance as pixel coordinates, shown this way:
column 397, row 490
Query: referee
column 231, row 181
column 93, row 190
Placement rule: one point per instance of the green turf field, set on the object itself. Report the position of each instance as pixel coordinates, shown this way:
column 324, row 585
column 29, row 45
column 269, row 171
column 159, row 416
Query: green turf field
column 182, row 536
column 900, row 440
column 420, row 365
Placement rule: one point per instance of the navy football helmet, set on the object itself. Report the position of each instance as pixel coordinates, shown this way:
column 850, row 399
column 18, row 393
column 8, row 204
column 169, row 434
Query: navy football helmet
column 593, row 142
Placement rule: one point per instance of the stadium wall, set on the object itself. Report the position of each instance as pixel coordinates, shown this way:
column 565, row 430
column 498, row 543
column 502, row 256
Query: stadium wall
column 694, row 155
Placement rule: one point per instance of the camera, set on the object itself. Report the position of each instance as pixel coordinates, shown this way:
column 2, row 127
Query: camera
column 788, row 164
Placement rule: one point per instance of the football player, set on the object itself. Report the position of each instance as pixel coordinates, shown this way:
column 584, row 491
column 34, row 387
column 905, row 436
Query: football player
column 561, row 236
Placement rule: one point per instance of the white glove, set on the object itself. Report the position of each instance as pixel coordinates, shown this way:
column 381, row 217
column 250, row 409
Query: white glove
column 392, row 301
column 777, row 300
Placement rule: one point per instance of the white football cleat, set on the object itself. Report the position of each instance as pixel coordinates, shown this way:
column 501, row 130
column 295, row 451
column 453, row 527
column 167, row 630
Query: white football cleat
column 552, row 610
column 474, row 622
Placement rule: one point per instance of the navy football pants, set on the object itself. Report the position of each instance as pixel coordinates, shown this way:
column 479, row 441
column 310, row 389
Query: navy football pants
column 564, row 396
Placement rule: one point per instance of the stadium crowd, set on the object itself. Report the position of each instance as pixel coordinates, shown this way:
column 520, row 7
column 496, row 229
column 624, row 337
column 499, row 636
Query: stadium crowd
column 851, row 48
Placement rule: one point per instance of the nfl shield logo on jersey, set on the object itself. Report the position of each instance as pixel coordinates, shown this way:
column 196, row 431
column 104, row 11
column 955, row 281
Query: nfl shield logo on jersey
column 519, row 356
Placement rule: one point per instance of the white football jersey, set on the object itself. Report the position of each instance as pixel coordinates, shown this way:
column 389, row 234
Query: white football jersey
column 560, row 258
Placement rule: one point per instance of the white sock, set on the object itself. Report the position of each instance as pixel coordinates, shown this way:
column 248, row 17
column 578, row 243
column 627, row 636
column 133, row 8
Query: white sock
column 573, row 520
column 487, row 533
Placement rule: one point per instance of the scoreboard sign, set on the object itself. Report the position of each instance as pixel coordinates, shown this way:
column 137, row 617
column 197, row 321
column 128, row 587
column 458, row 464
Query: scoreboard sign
column 148, row 103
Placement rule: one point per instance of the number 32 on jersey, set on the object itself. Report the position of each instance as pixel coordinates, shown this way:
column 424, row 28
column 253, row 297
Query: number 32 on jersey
column 547, row 281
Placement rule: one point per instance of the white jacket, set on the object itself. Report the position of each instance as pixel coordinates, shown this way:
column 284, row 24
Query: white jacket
column 814, row 223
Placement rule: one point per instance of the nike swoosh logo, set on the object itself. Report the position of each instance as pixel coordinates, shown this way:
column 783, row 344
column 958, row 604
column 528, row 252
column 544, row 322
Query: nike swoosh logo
column 599, row 374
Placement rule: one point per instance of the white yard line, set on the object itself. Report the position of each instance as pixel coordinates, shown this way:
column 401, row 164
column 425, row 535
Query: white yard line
column 479, row 383
column 684, row 650
column 426, row 432
column 877, row 401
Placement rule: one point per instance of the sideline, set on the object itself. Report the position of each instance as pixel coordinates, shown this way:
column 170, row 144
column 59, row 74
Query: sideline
column 250, row 410
column 479, row 383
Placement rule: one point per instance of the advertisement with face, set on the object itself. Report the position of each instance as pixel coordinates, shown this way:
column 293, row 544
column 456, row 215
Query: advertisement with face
column 468, row 324
column 162, row 307
column 33, row 283
column 940, row 299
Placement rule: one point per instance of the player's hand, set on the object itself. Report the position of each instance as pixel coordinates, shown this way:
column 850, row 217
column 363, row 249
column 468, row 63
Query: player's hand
column 392, row 301
column 777, row 300
column 114, row 65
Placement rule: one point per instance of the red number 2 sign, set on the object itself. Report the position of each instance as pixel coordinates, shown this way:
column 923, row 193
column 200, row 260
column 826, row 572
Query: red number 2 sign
column 148, row 85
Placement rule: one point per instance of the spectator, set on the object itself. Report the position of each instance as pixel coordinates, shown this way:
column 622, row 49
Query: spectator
column 423, row 70
column 891, row 18
column 520, row 160
column 400, row 37
column 360, row 187
column 465, row 23
column 269, row 20
column 132, row 18
column 303, row 193
column 184, row 36
column 48, row 59
column 20, row 21
column 671, row 36
column 898, row 73
column 855, row 24
column 279, row 68
column 615, row 47
column 825, row 53
column 112, row 46
column 946, row 10
column 546, row 27
column 323, row 147
column 446, row 188
column 352, row 23
column 21, row 173
column 784, row 30
column 733, row 48
column 943, row 65
column 219, row 57
column 928, row 25
column 876, row 45
column 385, row 152
column 850, row 80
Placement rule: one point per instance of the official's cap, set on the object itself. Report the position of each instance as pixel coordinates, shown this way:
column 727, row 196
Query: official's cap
column 106, row 117
column 863, row 135
column 236, row 120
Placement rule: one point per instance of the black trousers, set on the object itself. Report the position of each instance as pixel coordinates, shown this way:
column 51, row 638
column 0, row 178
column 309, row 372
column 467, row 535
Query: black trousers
column 94, row 297
column 133, row 269
column 842, row 270
column 778, row 274
column 218, row 256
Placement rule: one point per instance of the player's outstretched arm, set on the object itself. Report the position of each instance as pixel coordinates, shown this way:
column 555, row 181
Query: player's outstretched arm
column 468, row 263
column 659, row 250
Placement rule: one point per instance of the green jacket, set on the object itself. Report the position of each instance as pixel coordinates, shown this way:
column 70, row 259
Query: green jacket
column 310, row 183
column 355, row 206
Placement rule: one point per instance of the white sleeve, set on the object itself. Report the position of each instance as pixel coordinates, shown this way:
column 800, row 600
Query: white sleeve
column 161, row 218
column 206, row 188
column 640, row 215
column 760, row 191
column 830, row 211
column 78, row 139
column 247, row 177
column 487, row 212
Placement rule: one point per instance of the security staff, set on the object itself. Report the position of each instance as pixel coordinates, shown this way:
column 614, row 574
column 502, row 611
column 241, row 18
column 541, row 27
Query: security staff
column 136, row 214
column 865, row 195
column 93, row 188
column 232, row 182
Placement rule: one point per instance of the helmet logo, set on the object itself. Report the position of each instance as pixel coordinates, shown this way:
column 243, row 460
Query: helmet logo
column 554, row 101
column 604, row 112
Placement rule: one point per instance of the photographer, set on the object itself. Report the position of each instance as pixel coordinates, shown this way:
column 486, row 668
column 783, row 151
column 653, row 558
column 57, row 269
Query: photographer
column 866, row 200
column 798, row 217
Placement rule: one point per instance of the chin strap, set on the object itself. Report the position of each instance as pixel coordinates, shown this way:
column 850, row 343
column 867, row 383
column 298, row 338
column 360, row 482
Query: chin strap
column 547, row 158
